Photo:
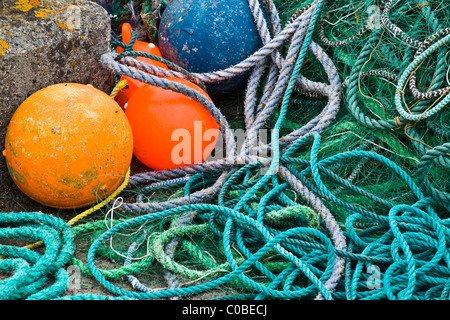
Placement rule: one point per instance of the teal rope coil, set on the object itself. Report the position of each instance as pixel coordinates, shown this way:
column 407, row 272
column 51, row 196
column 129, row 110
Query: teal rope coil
column 423, row 168
column 31, row 270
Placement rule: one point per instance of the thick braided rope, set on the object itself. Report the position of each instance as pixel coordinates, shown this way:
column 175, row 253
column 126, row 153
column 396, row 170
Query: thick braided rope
column 394, row 29
column 412, row 81
column 417, row 141
column 352, row 88
column 339, row 43
column 403, row 78
column 280, row 39
column 278, row 90
column 423, row 168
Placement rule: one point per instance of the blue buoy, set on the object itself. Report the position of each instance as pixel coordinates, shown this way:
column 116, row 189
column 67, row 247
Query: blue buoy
column 209, row 35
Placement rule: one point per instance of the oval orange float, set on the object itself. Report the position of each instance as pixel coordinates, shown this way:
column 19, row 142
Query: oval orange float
column 170, row 129
column 68, row 146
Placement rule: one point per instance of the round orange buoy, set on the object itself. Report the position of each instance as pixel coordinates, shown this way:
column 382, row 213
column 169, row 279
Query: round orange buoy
column 170, row 129
column 124, row 95
column 68, row 145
